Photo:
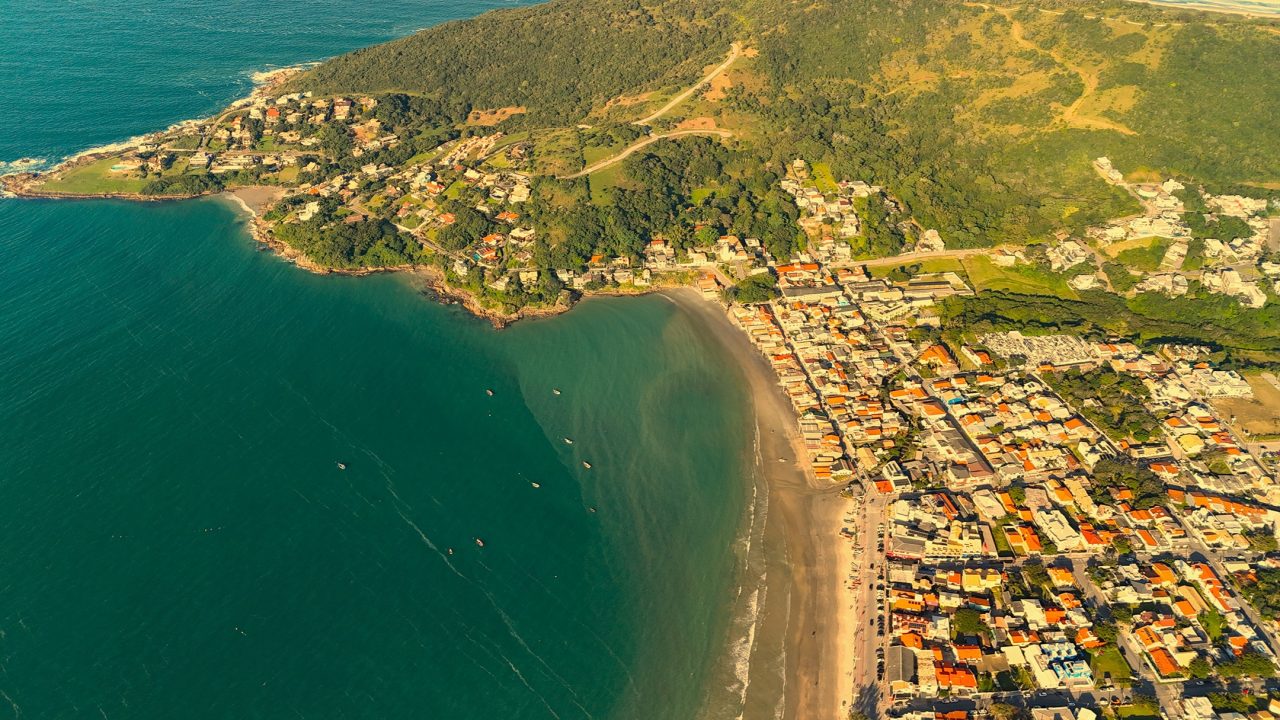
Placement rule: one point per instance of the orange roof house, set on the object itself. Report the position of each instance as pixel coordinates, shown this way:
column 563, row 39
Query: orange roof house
column 1164, row 662
column 968, row 653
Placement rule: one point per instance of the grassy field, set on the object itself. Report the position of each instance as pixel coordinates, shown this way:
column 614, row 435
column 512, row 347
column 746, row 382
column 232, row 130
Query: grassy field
column 557, row 152
column 1111, row 661
column 592, row 154
column 1139, row 711
column 1141, row 253
column 1259, row 415
column 823, row 178
column 454, row 191
column 95, row 178
column 986, row 275
column 922, row 267
column 604, row 180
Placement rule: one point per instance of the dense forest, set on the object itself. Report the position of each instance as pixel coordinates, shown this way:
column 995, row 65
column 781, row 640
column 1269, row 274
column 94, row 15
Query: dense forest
column 1242, row 336
column 558, row 60
column 655, row 203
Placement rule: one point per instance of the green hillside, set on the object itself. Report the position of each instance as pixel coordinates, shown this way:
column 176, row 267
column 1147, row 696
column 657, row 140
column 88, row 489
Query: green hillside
column 558, row 60
column 981, row 118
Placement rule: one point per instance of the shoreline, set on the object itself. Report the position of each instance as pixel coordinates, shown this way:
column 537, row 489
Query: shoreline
column 807, row 623
column 263, row 81
column 252, row 200
column 808, row 610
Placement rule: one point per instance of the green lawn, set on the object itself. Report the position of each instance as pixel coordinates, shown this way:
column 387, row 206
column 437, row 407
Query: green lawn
column 95, row 178
column 986, row 275
column 498, row 161
column 454, row 191
column 1143, row 709
column 268, row 143
column 701, row 193
column 1109, row 660
column 823, row 178
column 933, row 265
column 1145, row 256
column 604, row 180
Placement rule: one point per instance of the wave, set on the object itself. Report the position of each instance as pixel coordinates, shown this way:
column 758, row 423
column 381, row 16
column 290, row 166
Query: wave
column 259, row 77
column 26, row 164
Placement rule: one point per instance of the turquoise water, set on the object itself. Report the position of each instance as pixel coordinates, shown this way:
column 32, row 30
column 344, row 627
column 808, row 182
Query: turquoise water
column 178, row 540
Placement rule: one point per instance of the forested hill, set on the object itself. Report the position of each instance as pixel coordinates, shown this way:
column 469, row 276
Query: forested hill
column 981, row 118
column 557, row 60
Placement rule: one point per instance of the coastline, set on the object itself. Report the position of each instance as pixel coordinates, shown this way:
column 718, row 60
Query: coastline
column 252, row 200
column 808, row 609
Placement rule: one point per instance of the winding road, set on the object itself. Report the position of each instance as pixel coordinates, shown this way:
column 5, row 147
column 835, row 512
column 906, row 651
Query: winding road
column 735, row 51
column 649, row 140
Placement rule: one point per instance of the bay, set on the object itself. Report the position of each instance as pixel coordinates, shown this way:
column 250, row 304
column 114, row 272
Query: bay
column 177, row 536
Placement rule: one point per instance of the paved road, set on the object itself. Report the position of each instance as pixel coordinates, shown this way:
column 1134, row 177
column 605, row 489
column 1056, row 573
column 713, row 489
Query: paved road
column 866, row 637
column 734, row 51
column 639, row 145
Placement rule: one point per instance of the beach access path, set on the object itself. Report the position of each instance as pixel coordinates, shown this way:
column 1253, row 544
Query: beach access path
column 819, row 616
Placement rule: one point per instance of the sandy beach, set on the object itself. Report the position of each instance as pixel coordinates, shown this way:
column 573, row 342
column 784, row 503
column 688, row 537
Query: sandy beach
column 256, row 198
column 810, row 612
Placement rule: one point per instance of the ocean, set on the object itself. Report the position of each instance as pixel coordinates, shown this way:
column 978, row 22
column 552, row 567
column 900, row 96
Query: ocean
column 178, row 538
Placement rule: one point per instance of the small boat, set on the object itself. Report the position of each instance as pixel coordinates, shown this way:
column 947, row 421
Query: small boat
column 450, row 551
column 568, row 441
column 586, row 464
column 479, row 542
column 535, row 485
column 555, row 391
column 342, row 466
column 489, row 393
column 591, row 509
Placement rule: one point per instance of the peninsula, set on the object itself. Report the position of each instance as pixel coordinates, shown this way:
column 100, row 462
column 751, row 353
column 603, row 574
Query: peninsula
column 1009, row 273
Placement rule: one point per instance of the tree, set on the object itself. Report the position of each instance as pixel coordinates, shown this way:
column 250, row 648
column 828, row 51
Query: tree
column 968, row 621
column 1035, row 573
column 334, row 140
column 469, row 225
column 1003, row 711
column 754, row 289
column 1250, row 664
column 1123, row 472
column 1263, row 541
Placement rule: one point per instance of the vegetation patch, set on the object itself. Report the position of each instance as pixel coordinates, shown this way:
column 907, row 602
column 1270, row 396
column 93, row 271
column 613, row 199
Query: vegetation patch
column 1146, row 256
column 1113, row 401
column 95, row 178
column 1108, row 662
column 1026, row 279
column 1239, row 334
